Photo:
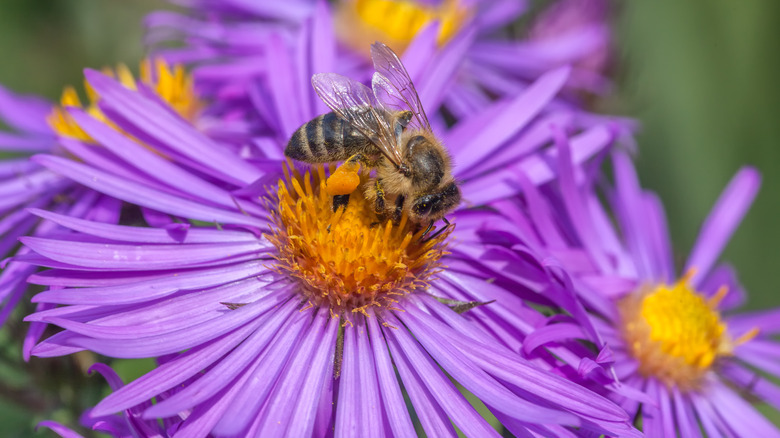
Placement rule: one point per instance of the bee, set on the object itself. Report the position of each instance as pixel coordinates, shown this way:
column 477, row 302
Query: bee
column 383, row 128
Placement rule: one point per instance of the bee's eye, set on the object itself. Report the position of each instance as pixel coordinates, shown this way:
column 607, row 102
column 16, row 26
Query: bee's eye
column 423, row 205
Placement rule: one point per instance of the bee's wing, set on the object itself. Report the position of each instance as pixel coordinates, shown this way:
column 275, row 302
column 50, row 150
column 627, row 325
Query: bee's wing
column 355, row 103
column 394, row 88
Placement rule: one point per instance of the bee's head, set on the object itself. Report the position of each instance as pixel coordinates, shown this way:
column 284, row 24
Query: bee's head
column 434, row 206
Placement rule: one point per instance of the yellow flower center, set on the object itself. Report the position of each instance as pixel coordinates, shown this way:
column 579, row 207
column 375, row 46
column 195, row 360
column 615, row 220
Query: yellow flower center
column 346, row 260
column 361, row 22
column 174, row 86
column 675, row 333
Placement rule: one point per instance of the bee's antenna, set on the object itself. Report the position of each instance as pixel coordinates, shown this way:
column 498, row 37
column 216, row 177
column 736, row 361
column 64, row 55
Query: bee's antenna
column 439, row 231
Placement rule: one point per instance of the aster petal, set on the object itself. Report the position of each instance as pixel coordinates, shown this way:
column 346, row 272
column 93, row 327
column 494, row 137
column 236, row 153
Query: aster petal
column 31, row 185
column 111, row 377
column 731, row 207
column 739, row 415
column 530, row 139
column 141, row 195
column 149, row 162
column 762, row 354
column 552, row 333
column 166, row 127
column 302, row 420
column 420, row 51
column 172, row 373
column 499, row 13
column 724, row 276
column 470, row 150
column 767, row 321
column 22, row 143
column 314, row 349
column 509, row 368
column 170, row 341
column 143, row 291
column 25, row 113
column 11, row 168
column 244, row 359
column 392, row 398
column 201, row 420
column 440, row 73
column 405, row 350
column 136, row 257
column 429, row 412
column 153, row 318
column 747, row 380
column 710, row 421
column 491, row 392
column 282, row 85
column 323, row 48
column 267, row 370
column 13, row 287
column 293, row 10
column 59, row 429
column 145, row 235
column 358, row 412
column 503, row 183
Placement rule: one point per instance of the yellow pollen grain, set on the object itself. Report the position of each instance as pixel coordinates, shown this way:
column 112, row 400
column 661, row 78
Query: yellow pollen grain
column 346, row 260
column 173, row 86
column 396, row 23
column 675, row 333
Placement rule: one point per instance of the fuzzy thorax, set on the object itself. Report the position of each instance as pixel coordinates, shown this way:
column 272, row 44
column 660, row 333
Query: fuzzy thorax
column 676, row 334
column 346, row 260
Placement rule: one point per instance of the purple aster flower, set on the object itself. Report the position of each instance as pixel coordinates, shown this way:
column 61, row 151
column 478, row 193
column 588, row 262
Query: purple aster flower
column 285, row 317
column 461, row 42
column 41, row 127
column 677, row 338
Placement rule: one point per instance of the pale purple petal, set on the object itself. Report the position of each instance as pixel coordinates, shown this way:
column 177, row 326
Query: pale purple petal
column 138, row 194
column 731, row 207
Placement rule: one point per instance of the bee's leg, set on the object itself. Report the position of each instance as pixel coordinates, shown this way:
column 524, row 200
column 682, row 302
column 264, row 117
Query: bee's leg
column 379, row 204
column 399, row 209
column 404, row 118
column 427, row 230
column 436, row 234
column 401, row 122
column 340, row 201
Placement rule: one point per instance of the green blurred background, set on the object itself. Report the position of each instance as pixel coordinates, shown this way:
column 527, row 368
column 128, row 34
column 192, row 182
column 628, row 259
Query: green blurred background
column 700, row 75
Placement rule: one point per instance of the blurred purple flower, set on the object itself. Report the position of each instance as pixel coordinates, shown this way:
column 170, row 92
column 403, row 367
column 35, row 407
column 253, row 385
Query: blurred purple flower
column 459, row 42
column 244, row 310
column 662, row 334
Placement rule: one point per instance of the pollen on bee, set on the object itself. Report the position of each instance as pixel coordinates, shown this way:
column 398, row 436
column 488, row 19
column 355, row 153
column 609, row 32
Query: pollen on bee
column 346, row 260
column 344, row 180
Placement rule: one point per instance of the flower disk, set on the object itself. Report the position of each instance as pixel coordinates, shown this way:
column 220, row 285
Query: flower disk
column 346, row 259
column 676, row 334
column 397, row 22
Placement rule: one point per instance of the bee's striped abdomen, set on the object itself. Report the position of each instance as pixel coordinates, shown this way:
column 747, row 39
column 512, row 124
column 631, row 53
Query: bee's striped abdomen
column 319, row 140
column 326, row 138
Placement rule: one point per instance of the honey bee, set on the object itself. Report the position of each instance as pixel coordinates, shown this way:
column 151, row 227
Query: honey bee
column 384, row 128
